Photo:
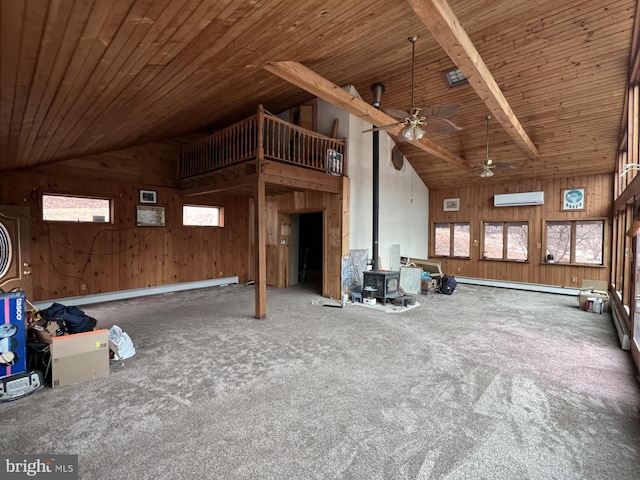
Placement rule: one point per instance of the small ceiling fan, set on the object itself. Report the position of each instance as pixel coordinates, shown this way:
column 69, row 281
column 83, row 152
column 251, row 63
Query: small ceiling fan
column 419, row 121
column 488, row 165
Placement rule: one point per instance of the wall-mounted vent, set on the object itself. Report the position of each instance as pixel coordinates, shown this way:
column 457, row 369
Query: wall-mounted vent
column 518, row 199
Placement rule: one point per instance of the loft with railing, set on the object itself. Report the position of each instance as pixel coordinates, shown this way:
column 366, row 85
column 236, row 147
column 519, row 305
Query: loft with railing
column 263, row 137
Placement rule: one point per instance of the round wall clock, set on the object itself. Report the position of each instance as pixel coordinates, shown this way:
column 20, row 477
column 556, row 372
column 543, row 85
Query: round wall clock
column 397, row 158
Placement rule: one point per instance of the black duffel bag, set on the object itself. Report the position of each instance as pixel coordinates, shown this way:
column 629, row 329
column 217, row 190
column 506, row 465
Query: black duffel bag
column 75, row 320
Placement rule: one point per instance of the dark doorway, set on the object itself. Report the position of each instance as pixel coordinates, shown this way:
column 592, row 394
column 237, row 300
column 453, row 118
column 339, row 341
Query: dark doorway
column 310, row 265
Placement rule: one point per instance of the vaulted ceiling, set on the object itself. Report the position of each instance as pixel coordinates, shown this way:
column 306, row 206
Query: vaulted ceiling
column 85, row 77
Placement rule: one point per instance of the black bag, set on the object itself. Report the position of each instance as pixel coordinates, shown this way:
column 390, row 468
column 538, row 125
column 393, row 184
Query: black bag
column 75, row 320
column 447, row 285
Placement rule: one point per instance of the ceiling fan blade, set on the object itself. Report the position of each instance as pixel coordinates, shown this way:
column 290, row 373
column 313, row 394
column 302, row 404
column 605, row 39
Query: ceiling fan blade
column 396, row 112
column 441, row 110
column 383, row 127
column 502, row 166
column 440, row 125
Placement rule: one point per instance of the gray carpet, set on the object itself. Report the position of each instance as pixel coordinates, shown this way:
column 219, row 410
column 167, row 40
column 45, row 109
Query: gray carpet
column 485, row 384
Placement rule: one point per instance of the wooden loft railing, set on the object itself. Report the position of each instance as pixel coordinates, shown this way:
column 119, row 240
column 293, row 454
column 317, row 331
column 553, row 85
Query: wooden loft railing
column 275, row 140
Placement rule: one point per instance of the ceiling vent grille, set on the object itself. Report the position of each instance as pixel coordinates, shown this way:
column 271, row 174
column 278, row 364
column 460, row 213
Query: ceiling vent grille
column 455, row 77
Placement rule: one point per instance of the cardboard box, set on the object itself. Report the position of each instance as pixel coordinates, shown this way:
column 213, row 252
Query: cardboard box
column 592, row 294
column 13, row 337
column 594, row 285
column 593, row 289
column 79, row 357
column 45, row 334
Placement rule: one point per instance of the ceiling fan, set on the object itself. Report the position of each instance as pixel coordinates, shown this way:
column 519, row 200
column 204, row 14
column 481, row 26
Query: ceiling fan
column 488, row 165
column 419, row 121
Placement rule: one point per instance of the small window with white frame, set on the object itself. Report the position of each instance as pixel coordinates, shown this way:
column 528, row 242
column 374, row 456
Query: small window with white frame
column 202, row 216
column 70, row 208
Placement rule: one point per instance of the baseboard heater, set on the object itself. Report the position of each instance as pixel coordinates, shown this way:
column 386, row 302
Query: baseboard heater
column 136, row 292
column 621, row 328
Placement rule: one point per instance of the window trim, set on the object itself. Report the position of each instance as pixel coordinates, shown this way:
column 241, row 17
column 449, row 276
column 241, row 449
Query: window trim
column 505, row 241
column 110, row 221
column 220, row 215
column 451, row 240
column 572, row 254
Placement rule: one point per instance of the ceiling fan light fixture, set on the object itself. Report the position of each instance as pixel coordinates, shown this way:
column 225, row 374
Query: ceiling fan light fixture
column 408, row 133
column 486, row 173
column 412, row 132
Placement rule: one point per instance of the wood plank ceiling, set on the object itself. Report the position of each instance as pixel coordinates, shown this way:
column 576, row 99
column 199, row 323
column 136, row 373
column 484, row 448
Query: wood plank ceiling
column 84, row 77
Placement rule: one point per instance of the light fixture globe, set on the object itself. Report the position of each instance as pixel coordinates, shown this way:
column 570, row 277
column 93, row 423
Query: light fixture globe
column 408, row 133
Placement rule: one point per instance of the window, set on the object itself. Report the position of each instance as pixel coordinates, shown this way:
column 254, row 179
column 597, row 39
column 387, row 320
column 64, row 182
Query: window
column 452, row 239
column 202, row 216
column 67, row 208
column 506, row 241
column 578, row 241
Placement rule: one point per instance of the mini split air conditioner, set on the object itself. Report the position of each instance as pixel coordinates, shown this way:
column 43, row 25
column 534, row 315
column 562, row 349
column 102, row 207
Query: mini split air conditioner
column 518, row 199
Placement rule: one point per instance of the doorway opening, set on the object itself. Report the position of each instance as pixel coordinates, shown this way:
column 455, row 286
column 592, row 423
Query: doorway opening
column 309, row 254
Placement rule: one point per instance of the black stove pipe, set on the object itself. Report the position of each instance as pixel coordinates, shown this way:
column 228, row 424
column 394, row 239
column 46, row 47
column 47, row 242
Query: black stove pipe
column 378, row 90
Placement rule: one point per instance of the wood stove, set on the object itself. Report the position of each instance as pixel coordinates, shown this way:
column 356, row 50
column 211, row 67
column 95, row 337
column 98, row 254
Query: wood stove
column 386, row 284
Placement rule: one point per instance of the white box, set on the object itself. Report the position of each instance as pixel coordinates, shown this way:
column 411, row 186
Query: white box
column 595, row 305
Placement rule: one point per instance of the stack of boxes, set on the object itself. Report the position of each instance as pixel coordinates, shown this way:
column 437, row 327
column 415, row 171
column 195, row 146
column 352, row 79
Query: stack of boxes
column 593, row 296
column 69, row 358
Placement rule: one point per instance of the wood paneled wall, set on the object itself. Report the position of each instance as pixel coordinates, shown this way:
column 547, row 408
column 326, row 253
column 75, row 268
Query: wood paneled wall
column 79, row 259
column 476, row 207
column 278, row 229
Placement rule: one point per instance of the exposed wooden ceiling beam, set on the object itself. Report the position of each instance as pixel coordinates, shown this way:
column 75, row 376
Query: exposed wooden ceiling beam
column 305, row 78
column 443, row 24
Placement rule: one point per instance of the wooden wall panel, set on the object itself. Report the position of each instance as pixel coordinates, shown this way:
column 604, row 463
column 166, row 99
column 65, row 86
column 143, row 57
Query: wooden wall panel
column 80, row 77
column 153, row 164
column 80, row 259
column 278, row 207
column 476, row 207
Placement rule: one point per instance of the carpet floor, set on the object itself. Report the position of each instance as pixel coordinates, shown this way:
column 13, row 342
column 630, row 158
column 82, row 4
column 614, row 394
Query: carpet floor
column 485, row 384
